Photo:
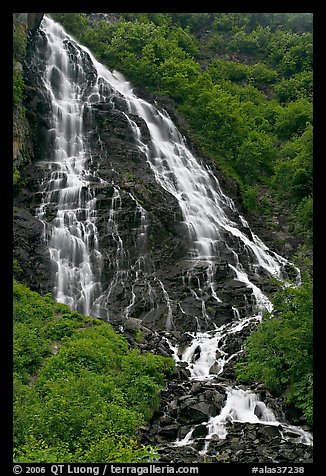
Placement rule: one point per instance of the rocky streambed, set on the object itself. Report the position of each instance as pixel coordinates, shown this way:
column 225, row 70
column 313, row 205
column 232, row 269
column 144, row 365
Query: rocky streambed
column 213, row 419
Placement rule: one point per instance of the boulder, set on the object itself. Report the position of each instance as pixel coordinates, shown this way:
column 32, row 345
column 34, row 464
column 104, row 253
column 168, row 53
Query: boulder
column 197, row 412
column 200, row 431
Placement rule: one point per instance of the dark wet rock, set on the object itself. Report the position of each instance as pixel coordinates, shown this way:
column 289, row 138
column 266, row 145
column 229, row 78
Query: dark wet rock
column 215, row 368
column 184, row 430
column 30, row 20
column 244, row 442
column 180, row 454
column 200, row 431
column 166, row 420
column 256, row 443
column 269, row 432
column 169, row 432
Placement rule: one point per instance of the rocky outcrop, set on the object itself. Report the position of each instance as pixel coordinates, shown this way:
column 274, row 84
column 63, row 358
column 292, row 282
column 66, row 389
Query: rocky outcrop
column 30, row 251
column 31, row 20
column 34, row 20
column 187, row 407
column 245, row 443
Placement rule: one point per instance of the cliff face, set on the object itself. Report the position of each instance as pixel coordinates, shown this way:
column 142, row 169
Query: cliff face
column 31, row 20
column 29, row 247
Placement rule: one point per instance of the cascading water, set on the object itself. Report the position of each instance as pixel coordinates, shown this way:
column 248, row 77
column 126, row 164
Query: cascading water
column 215, row 232
column 72, row 235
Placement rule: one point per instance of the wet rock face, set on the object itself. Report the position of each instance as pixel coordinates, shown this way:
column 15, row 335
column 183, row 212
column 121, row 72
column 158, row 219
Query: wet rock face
column 34, row 20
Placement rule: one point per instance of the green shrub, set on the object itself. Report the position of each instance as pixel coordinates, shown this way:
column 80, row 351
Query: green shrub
column 294, row 119
column 250, row 199
column 86, row 402
column 302, row 219
column 16, row 176
column 299, row 86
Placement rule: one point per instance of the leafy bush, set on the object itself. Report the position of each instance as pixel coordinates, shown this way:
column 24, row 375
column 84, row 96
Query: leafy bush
column 16, row 176
column 256, row 155
column 294, row 168
column 302, row 220
column 293, row 119
column 86, row 401
column 298, row 58
column 250, row 199
column 262, row 74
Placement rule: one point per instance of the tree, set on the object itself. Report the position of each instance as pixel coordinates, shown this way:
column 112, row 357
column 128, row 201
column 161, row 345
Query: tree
column 256, row 155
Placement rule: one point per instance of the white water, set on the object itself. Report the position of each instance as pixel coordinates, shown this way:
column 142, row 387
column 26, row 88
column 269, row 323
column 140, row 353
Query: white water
column 73, row 236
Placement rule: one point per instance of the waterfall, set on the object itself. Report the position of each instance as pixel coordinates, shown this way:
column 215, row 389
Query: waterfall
column 213, row 226
column 72, row 235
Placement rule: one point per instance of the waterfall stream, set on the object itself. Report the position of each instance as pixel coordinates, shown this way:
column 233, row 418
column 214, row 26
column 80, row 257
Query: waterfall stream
column 210, row 219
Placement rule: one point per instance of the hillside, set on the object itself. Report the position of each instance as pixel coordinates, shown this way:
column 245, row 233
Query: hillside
column 163, row 195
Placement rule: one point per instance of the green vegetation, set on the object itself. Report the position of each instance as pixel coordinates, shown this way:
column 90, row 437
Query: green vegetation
column 242, row 81
column 279, row 353
column 16, row 176
column 80, row 393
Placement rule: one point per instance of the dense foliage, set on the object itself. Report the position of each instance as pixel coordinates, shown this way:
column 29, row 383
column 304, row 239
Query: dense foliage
column 243, row 81
column 279, row 353
column 80, row 393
